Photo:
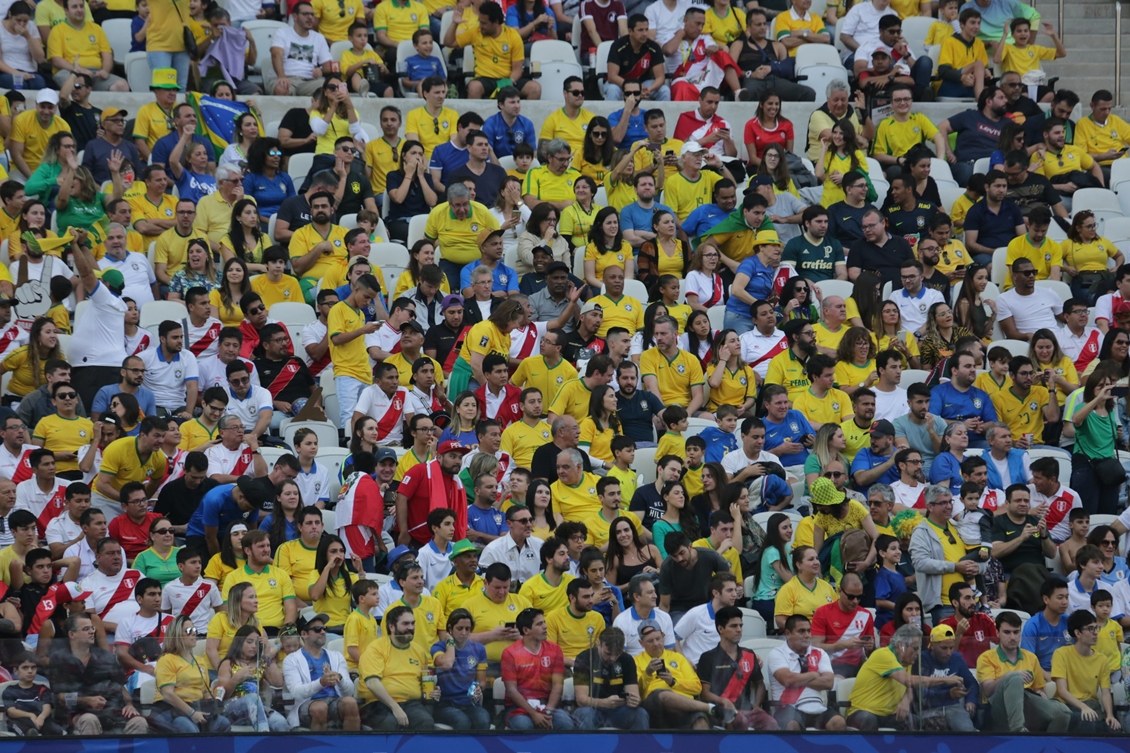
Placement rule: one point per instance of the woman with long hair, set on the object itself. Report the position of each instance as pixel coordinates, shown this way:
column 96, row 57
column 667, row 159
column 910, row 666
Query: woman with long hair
column 595, row 159
column 464, row 416
column 1086, row 255
column 908, row 611
column 188, row 167
column 796, row 301
column 973, row 309
column 487, row 336
column 705, row 287
column 43, row 183
column 1011, row 139
column 863, row 303
column 1116, row 348
column 855, row 360
column 225, row 299
column 645, row 338
column 830, row 445
column 330, row 590
column 539, row 501
column 127, row 409
column 512, row 214
column 729, row 379
column 847, row 515
column 714, row 480
column 1062, row 379
column 246, row 239
column 807, row 579
column 422, row 254
column 27, row 362
column 281, row 524
column 266, row 181
column 244, row 135
column 159, row 561
column 677, row 516
column 607, row 248
column 199, row 271
column 577, row 218
column 240, row 610
column 600, row 426
column 332, row 117
column 33, row 218
column 767, row 128
column 627, row 555
column 775, row 164
column 890, row 334
column 410, row 190
column 79, row 203
column 839, row 155
column 666, row 254
column 245, row 674
column 363, row 439
column 533, row 21
column 939, row 335
column 773, row 569
column 946, row 468
column 916, row 169
column 313, row 480
column 698, row 337
column 541, row 230
column 230, row 556
column 183, row 684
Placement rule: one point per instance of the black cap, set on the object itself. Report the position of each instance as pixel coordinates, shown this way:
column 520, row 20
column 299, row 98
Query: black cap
column 557, row 266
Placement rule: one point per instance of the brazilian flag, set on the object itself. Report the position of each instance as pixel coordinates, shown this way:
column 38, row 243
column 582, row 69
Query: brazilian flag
column 215, row 118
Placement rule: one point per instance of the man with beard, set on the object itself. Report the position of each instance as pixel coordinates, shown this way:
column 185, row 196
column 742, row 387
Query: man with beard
column 978, row 132
column 637, row 409
column 392, row 677
column 788, row 368
column 608, row 692
column 1019, row 538
column 582, row 344
column 171, row 371
column 133, row 376
column 318, row 249
column 1029, row 190
column 444, row 340
column 929, row 253
column 671, row 373
column 533, row 672
column 255, row 318
column 724, row 198
column 1026, row 406
column 910, row 487
column 285, row 376
column 974, row 629
column 958, row 400
column 919, row 428
column 878, row 251
column 1026, row 308
column 813, row 254
column 429, row 486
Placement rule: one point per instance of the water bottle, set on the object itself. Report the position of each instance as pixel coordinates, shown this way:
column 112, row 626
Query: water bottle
column 473, row 691
column 17, row 80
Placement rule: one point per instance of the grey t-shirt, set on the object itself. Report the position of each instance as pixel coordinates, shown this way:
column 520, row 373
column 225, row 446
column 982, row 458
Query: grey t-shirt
column 918, row 438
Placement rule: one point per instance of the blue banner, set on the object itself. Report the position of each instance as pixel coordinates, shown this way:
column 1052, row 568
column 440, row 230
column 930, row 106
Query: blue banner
column 566, row 742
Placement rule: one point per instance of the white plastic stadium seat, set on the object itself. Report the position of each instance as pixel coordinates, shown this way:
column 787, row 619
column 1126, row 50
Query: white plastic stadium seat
column 118, row 34
column 327, row 432
column 394, row 254
column 137, row 71
column 841, row 288
column 299, row 167
column 156, row 312
column 416, row 228
column 263, row 31
column 910, row 376
column 1060, row 288
column 999, row 269
column 601, row 61
column 1015, row 347
column 293, row 314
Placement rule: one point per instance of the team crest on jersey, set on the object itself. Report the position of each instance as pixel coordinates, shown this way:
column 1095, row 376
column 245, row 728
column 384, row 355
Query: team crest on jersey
column 273, row 583
column 512, row 607
column 415, row 18
column 794, row 426
column 472, row 662
column 429, row 616
column 977, row 403
column 178, row 374
column 81, row 433
column 355, row 186
column 337, row 242
column 129, row 582
column 681, row 369
column 474, row 227
column 506, row 48
column 397, row 403
column 922, row 308
column 674, row 664
column 835, row 406
column 589, row 630
column 545, row 661
column 628, row 307
column 168, row 213
column 1032, row 405
column 545, row 435
column 619, row 257
column 503, row 278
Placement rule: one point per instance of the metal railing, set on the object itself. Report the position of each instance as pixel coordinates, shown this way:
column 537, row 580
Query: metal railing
column 1117, row 52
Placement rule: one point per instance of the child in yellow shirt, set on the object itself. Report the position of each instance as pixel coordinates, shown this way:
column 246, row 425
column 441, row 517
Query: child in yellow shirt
column 692, row 473
column 623, row 455
column 672, row 442
column 996, row 379
column 946, row 26
column 1110, row 632
column 361, row 627
column 523, row 155
column 356, row 59
column 61, row 288
column 1021, row 57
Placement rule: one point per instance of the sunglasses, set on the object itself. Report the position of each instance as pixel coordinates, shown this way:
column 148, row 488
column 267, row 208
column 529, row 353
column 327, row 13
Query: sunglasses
column 162, row 531
column 834, row 474
column 257, row 310
column 190, row 630
column 275, row 153
column 435, row 124
column 66, row 395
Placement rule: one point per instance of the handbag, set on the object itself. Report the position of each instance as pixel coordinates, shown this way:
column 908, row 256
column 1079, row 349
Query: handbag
column 1109, row 471
column 186, row 33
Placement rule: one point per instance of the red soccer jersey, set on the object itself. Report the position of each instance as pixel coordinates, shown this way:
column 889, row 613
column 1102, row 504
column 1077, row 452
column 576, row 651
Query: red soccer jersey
column 134, row 537
column 836, row 625
column 427, row 489
column 976, row 639
column 533, row 672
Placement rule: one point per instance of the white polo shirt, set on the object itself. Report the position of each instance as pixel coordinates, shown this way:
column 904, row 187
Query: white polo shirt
column 214, row 372
column 915, row 307
column 524, row 563
column 629, row 623
column 168, row 379
column 85, row 556
column 224, row 461
column 139, row 276
column 248, row 408
column 697, row 631
column 63, row 529
column 806, row 700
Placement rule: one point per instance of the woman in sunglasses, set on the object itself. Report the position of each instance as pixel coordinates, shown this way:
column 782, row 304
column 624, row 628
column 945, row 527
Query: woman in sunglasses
column 1114, row 566
column 159, row 561
column 265, row 180
column 187, row 704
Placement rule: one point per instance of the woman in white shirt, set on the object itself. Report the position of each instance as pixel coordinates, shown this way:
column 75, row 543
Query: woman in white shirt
column 21, row 49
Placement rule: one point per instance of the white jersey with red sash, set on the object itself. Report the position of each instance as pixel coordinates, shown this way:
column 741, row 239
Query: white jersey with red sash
column 203, row 341
column 911, row 497
column 44, row 505
column 526, row 341
column 360, row 514
column 425, row 402
column 111, row 596
column 174, row 469
column 58, row 595
column 389, row 410
column 507, row 408
column 1060, row 506
column 285, row 376
column 784, row 272
column 449, row 362
column 758, row 349
column 237, row 462
column 16, row 466
column 312, row 334
column 1082, row 349
column 13, row 335
column 135, row 627
column 139, row 341
column 197, row 601
column 386, row 338
column 803, row 697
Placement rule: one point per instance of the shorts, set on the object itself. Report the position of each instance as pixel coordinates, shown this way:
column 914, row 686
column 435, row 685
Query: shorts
column 490, row 85
column 333, row 714
column 785, row 715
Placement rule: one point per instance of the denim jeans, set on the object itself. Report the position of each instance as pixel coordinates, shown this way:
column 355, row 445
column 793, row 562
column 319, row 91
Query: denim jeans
column 348, row 391
column 249, row 709
column 523, row 723
column 178, row 60
column 28, row 81
column 166, row 717
column 623, row 717
column 465, row 717
column 737, row 322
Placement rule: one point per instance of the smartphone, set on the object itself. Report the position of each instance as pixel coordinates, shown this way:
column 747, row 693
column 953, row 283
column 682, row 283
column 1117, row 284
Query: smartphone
column 1119, row 391
column 509, row 625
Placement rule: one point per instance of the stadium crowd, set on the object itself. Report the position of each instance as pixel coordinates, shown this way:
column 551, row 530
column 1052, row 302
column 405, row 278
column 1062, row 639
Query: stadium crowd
column 591, row 424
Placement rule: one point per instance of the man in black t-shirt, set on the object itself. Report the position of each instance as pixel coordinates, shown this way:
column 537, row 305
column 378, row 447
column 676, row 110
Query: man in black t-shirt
column 1026, row 189
column 731, row 677
column 684, row 577
column 634, row 57
column 178, row 499
column 607, row 689
column 1020, row 538
column 878, row 251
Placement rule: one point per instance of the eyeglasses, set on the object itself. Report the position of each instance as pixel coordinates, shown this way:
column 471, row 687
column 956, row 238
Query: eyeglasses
column 1107, row 542
column 852, row 597
column 242, row 380
column 522, row 521
column 833, row 474
column 257, row 310
column 599, row 134
column 1090, row 628
column 135, row 371
column 216, row 408
column 162, row 531
column 66, row 395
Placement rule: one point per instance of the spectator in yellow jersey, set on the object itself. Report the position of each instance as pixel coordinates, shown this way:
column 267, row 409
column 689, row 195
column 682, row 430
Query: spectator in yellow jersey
column 32, row 129
column 1022, row 57
column 672, row 374
column 571, row 121
column 552, row 182
column 1104, row 135
column 78, row 45
column 336, row 17
column 499, row 52
column 1067, row 166
column 154, row 211
column 432, row 124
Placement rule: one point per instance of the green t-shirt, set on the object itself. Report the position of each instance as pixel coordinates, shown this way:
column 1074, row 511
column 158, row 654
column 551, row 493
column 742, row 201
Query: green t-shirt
column 817, row 262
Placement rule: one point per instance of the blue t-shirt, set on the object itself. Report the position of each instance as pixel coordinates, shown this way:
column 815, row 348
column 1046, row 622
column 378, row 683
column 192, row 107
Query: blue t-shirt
column 145, row 400
column 718, row 443
column 164, row 147
column 466, row 438
column 636, row 129
column 604, row 608
column 635, row 217
column 994, row 230
column 489, row 521
column 447, row 158
column 1042, row 639
column 865, row 460
column 889, row 585
column 418, row 67
column 703, row 218
column 952, row 404
column 503, row 137
column 505, row 278
column 318, row 665
column 269, row 193
column 947, row 470
column 290, row 529
column 977, row 136
column 454, row 683
column 195, row 186
column 217, row 510
column 793, row 428
column 135, row 25
column 760, row 285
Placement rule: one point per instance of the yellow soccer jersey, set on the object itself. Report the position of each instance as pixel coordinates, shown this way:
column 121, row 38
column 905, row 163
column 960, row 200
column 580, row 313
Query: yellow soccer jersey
column 874, row 691
column 544, row 185
column 379, row 156
column 1023, row 60
column 152, row 123
column 737, row 387
column 452, row 594
column 488, row 615
column 786, row 22
column 360, row 630
column 335, row 17
column 572, row 399
column 1069, row 159
column 400, row 670
column 485, row 338
column 544, row 595
column 534, row 372
column 297, row 560
column 1022, row 415
column 852, row 375
column 430, row 130
column 645, row 158
column 1049, row 254
column 408, row 461
column 520, row 441
column 274, row 588
column 575, row 502
column 826, row 338
column 558, row 125
column 574, row 634
column 85, row 44
column 286, row 289
column 459, row 238
column 625, row 311
column 1096, row 139
column 65, row 435
column 430, row 619
column 787, row 371
column 833, row 408
column 606, row 259
column 307, row 237
column 855, row 437
column 122, row 464
column 896, row 138
column 494, row 56
column 144, row 209
column 350, row 359
column 684, row 195
column 675, row 376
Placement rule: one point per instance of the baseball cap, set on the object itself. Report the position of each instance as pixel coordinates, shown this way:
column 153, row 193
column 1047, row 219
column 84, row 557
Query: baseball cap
column 557, row 266
column 942, row 632
column 47, row 97
column 413, row 325
column 883, row 426
column 452, row 445
column 451, row 301
column 647, row 626
column 590, row 307
column 254, row 491
column 463, row 546
column 321, row 617
column 484, row 235
column 691, row 146
column 114, row 280
column 113, row 112
column 761, row 180
column 385, row 453
column 397, row 553
column 881, row 50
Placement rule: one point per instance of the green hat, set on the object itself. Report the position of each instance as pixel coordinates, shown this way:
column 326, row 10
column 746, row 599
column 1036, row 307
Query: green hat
column 825, row 494
column 114, row 280
column 462, row 547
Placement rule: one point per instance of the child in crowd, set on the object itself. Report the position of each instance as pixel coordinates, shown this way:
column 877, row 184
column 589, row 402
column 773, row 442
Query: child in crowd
column 29, row 705
column 692, row 471
column 672, row 442
column 888, row 582
column 523, row 160
column 369, row 221
column 1020, row 56
column 415, row 68
column 361, row 627
column 139, row 27
column 946, row 25
column 1110, row 632
column 996, row 379
column 61, row 289
column 361, row 67
column 623, row 455
column 1080, row 521
column 721, row 439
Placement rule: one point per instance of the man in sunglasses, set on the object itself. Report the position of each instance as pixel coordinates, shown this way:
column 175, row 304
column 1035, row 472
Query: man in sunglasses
column 97, row 150
column 318, row 678
column 844, row 628
column 253, row 325
column 937, row 551
column 1026, row 308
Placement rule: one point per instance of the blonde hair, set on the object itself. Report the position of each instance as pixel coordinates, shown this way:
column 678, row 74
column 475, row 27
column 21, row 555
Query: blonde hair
column 175, row 638
column 235, row 610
